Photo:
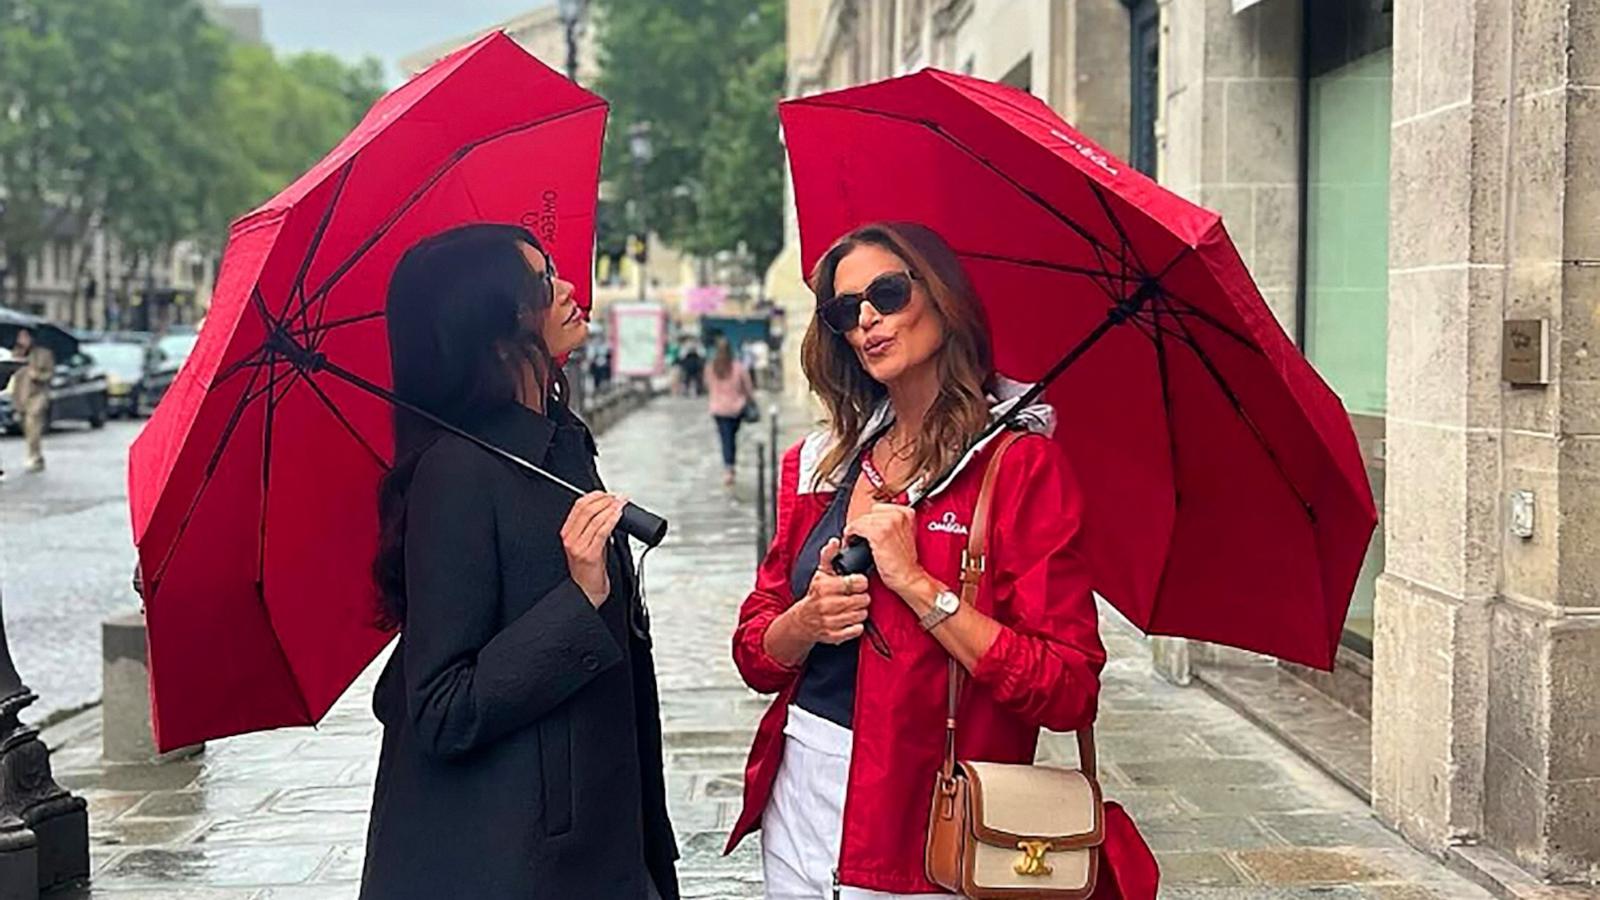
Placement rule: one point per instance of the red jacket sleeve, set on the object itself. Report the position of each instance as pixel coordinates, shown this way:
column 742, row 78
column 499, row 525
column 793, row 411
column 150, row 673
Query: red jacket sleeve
column 1045, row 664
column 771, row 595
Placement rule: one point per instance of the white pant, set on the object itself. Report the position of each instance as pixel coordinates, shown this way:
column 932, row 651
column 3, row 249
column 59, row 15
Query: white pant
column 803, row 823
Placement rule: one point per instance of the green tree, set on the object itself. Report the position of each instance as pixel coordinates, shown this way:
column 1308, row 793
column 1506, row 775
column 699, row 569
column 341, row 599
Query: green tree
column 702, row 77
column 276, row 118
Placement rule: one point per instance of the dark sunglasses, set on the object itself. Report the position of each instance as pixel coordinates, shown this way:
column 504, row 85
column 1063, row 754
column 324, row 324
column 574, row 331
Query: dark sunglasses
column 888, row 293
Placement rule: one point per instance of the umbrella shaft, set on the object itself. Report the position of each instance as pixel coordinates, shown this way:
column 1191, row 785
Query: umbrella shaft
column 357, row 381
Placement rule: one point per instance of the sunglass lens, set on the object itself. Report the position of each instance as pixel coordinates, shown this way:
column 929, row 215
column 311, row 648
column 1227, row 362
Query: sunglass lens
column 841, row 313
column 889, row 294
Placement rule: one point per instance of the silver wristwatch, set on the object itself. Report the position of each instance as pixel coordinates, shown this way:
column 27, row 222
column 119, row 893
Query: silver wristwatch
column 945, row 604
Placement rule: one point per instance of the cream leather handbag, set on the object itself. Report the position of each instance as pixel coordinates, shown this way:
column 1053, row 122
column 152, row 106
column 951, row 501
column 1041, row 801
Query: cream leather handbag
column 999, row 830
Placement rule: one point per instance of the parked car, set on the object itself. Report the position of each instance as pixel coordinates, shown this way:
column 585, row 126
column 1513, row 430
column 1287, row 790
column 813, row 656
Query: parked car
column 166, row 357
column 78, row 389
column 123, row 362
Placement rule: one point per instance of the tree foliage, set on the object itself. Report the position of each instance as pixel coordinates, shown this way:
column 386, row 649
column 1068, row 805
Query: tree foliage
column 143, row 117
column 703, row 76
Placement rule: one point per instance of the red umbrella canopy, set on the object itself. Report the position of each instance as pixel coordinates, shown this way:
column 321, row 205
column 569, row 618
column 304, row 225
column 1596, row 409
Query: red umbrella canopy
column 254, row 486
column 1225, row 493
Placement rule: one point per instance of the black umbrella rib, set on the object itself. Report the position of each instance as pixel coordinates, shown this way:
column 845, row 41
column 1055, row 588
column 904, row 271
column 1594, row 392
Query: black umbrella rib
column 299, row 285
column 356, row 255
column 266, row 473
column 1244, row 416
column 344, row 421
column 248, row 396
column 1046, row 264
column 1094, row 242
column 322, row 328
column 1127, row 246
column 1186, row 309
column 1166, row 404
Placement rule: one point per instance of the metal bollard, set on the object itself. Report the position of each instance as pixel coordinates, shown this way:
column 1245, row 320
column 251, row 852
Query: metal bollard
column 772, row 449
column 761, row 502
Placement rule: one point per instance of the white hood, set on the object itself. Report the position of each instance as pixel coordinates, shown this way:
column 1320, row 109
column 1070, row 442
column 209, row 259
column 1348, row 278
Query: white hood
column 1037, row 418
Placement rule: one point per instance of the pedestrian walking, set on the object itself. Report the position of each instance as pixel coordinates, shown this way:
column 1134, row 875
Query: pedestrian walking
column 521, row 752
column 691, row 363
column 30, row 393
column 730, row 392
column 900, row 355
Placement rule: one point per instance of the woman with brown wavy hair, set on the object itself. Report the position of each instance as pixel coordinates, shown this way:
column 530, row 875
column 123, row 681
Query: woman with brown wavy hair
column 841, row 774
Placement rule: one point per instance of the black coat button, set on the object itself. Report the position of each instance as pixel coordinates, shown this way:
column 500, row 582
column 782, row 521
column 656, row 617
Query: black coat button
column 591, row 662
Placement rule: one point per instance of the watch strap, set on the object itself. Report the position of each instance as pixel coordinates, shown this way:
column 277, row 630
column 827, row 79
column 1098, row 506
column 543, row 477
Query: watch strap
column 936, row 615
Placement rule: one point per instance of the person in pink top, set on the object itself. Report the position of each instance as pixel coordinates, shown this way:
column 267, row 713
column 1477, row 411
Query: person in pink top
column 730, row 390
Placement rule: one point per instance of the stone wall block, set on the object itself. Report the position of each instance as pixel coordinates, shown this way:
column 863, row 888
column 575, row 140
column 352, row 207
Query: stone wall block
column 1230, row 40
column 1514, row 806
column 1409, row 60
column 1213, row 153
column 1519, row 697
column 1578, row 357
column 1579, row 502
column 1530, row 563
column 1430, row 190
column 1428, row 344
column 1425, row 503
column 1539, row 178
column 1445, row 78
column 1573, row 821
column 1574, row 699
column 1263, row 131
column 1488, row 223
column 1277, row 237
column 1541, row 36
column 1582, row 199
column 1492, row 21
column 1583, row 39
column 1278, row 40
column 1428, row 712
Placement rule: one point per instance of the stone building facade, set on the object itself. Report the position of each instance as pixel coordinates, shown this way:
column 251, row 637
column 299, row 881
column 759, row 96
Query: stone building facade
column 1416, row 187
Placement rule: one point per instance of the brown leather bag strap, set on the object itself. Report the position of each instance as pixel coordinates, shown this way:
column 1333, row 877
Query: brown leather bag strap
column 972, row 568
column 972, row 565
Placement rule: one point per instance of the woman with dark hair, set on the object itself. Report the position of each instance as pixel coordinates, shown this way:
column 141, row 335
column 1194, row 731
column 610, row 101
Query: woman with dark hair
column 522, row 742
column 841, row 775
column 728, row 391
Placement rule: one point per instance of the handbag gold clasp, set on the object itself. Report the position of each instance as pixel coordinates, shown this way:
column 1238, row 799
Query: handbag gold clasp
column 1032, row 861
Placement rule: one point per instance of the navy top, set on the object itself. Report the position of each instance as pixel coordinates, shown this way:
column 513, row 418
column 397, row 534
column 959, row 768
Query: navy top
column 828, row 682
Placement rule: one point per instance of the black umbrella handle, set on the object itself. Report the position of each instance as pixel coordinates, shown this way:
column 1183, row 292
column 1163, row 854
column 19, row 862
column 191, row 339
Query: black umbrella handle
column 643, row 524
column 855, row 558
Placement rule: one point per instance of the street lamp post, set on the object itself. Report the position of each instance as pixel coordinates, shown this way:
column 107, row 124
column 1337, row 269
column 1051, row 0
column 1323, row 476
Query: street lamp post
column 44, row 831
column 640, row 150
column 571, row 12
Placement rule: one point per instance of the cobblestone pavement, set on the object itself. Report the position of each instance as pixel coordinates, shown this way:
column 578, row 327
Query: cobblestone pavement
column 1231, row 813
column 66, row 557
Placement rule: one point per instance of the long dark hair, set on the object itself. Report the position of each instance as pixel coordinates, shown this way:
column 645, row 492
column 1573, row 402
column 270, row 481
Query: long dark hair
column 722, row 358
column 966, row 366
column 456, row 346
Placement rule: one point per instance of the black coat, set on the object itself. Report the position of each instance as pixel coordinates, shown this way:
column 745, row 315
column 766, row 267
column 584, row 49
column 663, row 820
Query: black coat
column 522, row 737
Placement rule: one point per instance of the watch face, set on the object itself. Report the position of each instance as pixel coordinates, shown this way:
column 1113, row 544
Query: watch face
column 947, row 602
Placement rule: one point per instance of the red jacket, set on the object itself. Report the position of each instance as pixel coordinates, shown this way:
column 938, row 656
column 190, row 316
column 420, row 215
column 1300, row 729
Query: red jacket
column 1042, row 671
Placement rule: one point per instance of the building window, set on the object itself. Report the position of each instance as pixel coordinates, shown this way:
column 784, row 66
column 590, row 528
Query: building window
column 1344, row 287
column 1144, row 83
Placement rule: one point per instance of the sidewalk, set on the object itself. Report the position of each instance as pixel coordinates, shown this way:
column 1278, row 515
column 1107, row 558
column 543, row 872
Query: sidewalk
column 282, row 815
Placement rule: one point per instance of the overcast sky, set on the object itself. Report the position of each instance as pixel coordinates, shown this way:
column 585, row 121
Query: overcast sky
column 387, row 29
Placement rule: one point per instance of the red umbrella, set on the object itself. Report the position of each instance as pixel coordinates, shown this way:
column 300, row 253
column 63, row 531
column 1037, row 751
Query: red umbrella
column 253, row 488
column 1226, row 496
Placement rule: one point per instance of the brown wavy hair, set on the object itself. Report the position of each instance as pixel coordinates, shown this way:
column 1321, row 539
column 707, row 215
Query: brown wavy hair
column 965, row 359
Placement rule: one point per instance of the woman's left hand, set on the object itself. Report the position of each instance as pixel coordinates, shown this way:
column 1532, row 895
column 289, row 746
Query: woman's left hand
column 891, row 530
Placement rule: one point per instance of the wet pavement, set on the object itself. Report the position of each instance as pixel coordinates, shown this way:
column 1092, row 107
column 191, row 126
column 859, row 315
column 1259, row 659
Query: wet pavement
column 66, row 559
column 1230, row 812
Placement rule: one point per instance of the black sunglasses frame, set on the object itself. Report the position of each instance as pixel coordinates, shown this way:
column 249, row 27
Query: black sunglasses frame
column 847, row 307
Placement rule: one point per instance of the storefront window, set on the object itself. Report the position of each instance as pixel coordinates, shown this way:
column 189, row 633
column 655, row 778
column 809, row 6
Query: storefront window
column 1345, row 315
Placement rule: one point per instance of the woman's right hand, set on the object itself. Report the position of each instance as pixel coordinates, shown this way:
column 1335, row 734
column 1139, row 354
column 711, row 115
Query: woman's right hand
column 585, row 536
column 834, row 610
